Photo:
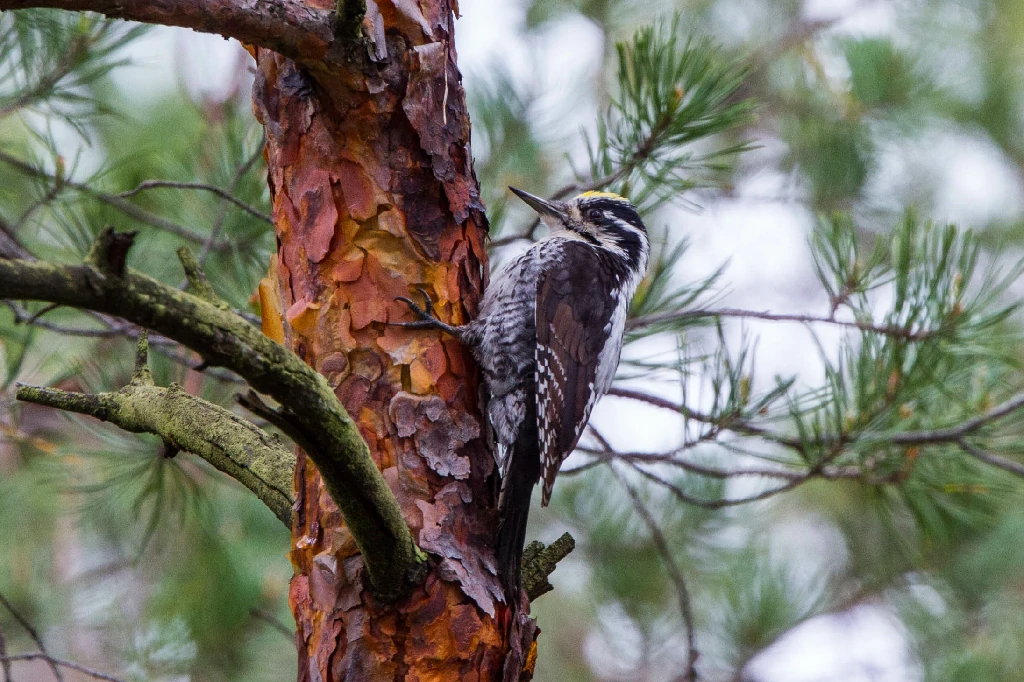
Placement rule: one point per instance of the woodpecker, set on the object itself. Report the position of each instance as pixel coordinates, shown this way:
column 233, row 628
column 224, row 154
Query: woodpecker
column 548, row 339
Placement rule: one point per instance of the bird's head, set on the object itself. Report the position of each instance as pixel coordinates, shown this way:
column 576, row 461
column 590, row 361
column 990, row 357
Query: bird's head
column 602, row 219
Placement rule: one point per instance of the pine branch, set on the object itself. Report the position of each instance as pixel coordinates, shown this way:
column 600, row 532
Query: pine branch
column 289, row 27
column 232, row 445
column 224, row 339
column 947, row 435
column 904, row 333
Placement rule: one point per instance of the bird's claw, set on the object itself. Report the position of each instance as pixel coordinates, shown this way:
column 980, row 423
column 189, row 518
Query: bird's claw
column 426, row 314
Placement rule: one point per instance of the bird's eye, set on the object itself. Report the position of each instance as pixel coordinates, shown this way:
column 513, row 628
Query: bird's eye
column 593, row 214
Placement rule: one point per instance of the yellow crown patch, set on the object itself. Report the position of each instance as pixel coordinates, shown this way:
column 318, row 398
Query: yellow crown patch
column 604, row 195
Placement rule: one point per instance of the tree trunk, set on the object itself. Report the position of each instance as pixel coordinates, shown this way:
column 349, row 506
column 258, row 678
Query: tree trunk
column 374, row 195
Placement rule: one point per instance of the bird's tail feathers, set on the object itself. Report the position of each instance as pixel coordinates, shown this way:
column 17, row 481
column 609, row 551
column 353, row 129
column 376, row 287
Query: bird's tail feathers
column 522, row 472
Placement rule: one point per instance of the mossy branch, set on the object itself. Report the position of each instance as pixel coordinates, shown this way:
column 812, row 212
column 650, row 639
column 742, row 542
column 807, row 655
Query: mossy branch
column 241, row 450
column 539, row 562
column 224, row 339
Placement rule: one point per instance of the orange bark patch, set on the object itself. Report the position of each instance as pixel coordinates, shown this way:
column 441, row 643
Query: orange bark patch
column 357, row 189
column 270, row 310
column 320, row 213
column 349, row 267
column 302, row 316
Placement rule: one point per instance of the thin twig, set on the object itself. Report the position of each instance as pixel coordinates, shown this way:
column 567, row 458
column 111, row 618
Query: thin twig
column 5, row 665
column 668, row 458
column 952, row 434
column 955, row 434
column 40, row 656
column 10, row 246
column 116, row 329
column 718, row 504
column 32, row 632
column 1003, row 463
column 213, row 189
column 674, row 573
column 273, row 623
column 126, row 207
column 218, row 224
column 899, row 332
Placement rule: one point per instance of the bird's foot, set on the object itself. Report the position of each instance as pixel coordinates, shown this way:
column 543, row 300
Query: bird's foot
column 428, row 320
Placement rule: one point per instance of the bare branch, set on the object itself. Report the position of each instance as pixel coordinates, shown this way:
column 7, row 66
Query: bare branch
column 213, row 189
column 272, row 622
column 40, row 656
column 675, row 316
column 224, row 339
column 1013, row 467
column 126, row 207
column 292, row 28
column 27, row 626
column 674, row 573
column 5, row 664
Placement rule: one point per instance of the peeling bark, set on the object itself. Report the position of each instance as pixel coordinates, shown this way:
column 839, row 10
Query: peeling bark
column 373, row 194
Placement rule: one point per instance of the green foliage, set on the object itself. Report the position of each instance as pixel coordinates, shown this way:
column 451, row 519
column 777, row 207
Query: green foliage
column 669, row 96
column 52, row 60
column 881, row 75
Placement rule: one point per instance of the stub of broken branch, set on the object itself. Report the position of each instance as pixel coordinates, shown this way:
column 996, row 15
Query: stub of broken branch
column 539, row 562
column 197, row 282
column 231, row 444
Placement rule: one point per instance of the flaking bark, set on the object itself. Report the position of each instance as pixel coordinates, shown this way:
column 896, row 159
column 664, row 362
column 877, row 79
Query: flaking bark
column 373, row 195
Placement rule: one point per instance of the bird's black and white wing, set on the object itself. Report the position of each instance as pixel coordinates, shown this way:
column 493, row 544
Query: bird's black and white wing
column 574, row 324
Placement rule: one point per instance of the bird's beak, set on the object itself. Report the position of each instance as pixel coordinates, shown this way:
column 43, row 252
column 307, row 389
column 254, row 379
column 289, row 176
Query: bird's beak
column 551, row 209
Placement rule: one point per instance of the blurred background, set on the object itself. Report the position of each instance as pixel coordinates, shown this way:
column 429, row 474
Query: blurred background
column 162, row 569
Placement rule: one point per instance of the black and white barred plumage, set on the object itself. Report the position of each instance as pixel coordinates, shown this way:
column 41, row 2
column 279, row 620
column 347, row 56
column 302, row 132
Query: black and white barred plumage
column 548, row 338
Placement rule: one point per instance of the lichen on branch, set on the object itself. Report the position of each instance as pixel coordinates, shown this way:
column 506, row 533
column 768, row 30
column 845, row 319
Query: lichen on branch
column 231, row 444
column 224, row 339
column 539, row 562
